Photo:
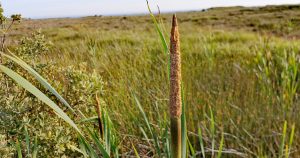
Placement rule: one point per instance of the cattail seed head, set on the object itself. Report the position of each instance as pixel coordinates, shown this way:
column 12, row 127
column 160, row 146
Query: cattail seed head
column 175, row 74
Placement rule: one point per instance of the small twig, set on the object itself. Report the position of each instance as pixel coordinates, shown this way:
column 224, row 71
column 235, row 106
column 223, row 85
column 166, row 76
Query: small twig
column 4, row 35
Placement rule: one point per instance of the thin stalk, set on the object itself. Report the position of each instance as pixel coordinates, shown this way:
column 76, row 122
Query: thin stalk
column 98, row 109
column 176, row 137
column 175, row 91
column 4, row 35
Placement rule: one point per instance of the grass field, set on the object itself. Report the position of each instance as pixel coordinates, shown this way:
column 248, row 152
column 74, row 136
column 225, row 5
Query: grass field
column 240, row 69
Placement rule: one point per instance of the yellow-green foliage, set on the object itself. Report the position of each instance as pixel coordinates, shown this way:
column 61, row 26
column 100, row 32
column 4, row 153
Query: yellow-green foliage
column 20, row 109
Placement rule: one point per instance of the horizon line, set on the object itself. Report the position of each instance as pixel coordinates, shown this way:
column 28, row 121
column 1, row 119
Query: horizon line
column 145, row 13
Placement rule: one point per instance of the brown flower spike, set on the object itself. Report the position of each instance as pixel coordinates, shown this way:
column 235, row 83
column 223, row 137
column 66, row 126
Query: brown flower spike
column 175, row 75
column 175, row 91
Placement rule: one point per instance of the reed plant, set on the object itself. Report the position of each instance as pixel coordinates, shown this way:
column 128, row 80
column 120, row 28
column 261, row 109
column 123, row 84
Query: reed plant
column 175, row 103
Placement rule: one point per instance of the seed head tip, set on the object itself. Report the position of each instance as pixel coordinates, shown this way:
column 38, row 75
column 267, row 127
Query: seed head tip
column 174, row 22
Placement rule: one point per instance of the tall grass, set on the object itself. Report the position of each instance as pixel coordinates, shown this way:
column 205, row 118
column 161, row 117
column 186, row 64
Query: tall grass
column 226, row 85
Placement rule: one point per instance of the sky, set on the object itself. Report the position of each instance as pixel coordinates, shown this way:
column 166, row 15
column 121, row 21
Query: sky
column 76, row 8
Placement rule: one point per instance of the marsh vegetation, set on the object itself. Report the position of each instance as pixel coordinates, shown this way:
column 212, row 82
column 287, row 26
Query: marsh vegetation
column 240, row 77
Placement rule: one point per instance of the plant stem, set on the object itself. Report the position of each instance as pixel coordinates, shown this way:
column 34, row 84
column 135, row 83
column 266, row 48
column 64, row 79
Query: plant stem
column 98, row 109
column 176, row 137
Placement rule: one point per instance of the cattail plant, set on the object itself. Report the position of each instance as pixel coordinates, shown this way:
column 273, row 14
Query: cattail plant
column 175, row 90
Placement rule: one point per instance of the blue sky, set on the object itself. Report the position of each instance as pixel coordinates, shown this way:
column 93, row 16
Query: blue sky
column 71, row 8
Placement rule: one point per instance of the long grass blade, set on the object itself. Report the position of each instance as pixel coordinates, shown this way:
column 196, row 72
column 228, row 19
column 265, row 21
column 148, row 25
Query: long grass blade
column 43, row 81
column 90, row 119
column 183, row 126
column 107, row 131
column 41, row 96
column 291, row 140
column 159, row 30
column 283, row 140
column 35, row 148
column 82, row 147
column 148, row 126
column 167, row 148
column 18, row 148
column 212, row 131
column 161, row 35
column 145, row 135
column 98, row 143
column 192, row 150
column 221, row 146
column 78, row 150
column 27, row 140
column 286, row 151
column 135, row 151
column 201, row 142
column 88, row 148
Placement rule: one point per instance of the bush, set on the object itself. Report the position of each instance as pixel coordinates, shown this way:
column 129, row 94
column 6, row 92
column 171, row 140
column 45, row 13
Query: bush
column 20, row 109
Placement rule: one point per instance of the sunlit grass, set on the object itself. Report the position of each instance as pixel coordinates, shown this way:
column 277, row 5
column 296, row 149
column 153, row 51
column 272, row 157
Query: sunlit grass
column 236, row 97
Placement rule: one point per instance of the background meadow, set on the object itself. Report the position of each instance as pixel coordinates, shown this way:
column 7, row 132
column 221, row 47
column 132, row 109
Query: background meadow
column 240, row 69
